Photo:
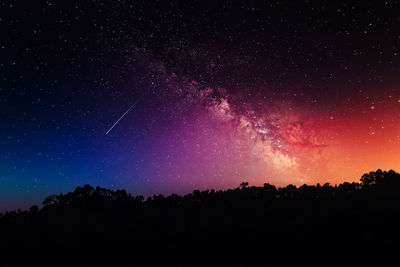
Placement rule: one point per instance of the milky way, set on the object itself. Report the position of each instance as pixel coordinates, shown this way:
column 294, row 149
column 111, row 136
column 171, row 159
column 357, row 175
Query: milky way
column 280, row 92
column 208, row 137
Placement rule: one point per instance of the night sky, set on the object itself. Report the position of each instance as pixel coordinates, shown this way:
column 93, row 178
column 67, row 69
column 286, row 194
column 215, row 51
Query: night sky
column 219, row 92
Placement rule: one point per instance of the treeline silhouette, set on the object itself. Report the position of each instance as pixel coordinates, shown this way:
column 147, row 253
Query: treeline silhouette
column 98, row 226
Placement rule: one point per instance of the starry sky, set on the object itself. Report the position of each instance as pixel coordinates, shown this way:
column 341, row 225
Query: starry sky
column 284, row 92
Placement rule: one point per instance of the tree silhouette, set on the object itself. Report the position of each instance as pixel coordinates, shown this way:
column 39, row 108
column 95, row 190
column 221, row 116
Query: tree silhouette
column 34, row 209
column 99, row 221
column 243, row 185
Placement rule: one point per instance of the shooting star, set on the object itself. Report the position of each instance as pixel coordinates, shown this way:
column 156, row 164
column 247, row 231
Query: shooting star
column 134, row 104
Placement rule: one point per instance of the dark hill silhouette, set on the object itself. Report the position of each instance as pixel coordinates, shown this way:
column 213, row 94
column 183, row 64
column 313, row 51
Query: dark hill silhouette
column 97, row 226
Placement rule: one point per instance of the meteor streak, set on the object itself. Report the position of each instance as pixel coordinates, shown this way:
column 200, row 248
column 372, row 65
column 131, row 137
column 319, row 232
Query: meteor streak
column 134, row 104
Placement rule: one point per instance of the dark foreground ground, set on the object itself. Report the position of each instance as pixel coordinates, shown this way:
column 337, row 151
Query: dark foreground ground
column 247, row 226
